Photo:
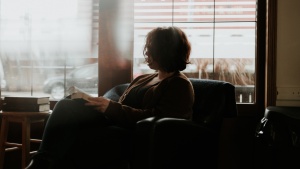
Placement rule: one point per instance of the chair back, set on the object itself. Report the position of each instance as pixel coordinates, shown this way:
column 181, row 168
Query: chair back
column 214, row 100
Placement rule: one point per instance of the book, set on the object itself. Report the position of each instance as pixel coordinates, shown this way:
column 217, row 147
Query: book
column 26, row 100
column 26, row 107
column 76, row 93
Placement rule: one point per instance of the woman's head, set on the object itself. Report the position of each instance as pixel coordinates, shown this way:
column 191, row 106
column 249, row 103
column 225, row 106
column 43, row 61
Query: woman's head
column 167, row 49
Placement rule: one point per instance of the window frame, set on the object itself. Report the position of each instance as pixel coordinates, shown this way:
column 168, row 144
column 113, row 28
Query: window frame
column 266, row 60
column 263, row 76
column 265, row 64
column 271, row 29
column 258, row 106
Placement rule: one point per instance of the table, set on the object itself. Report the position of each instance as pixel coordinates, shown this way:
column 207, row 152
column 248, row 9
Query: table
column 25, row 118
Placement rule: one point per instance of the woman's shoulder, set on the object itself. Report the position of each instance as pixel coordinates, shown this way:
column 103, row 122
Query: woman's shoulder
column 180, row 77
column 179, row 80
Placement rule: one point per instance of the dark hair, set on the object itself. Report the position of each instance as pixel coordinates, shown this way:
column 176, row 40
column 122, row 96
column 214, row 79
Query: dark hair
column 169, row 47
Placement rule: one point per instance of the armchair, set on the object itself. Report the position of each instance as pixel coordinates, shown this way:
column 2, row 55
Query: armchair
column 184, row 144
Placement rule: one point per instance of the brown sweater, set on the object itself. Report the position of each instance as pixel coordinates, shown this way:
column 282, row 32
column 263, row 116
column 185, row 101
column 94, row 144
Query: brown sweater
column 172, row 97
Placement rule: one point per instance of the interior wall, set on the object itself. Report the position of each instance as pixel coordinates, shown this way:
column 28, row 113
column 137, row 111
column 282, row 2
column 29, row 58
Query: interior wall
column 288, row 53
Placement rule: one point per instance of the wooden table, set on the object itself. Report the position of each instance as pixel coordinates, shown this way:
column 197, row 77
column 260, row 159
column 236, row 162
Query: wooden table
column 25, row 118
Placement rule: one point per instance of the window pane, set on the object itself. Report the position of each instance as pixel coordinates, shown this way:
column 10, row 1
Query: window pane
column 222, row 34
column 201, row 36
column 235, row 57
column 42, row 42
column 193, row 11
column 235, row 10
column 153, row 11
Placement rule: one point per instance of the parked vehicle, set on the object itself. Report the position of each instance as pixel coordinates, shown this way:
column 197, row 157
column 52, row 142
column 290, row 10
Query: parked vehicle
column 84, row 77
column 2, row 83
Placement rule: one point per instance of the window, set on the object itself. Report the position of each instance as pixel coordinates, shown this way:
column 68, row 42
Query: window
column 43, row 43
column 222, row 34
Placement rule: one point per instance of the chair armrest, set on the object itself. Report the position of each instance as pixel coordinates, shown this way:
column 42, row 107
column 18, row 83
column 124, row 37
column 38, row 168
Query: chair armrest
column 147, row 120
column 144, row 127
column 173, row 143
column 182, row 131
column 141, row 143
column 180, row 124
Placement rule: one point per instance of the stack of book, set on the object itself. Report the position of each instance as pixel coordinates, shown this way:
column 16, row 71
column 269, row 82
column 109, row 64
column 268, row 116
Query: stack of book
column 26, row 104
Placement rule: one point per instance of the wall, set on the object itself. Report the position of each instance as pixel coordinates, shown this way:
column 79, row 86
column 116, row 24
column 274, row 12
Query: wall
column 288, row 53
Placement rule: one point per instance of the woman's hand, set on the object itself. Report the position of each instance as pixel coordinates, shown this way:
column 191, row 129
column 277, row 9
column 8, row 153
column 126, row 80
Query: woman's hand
column 100, row 103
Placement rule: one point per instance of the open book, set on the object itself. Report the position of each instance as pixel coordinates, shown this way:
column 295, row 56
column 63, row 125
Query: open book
column 76, row 93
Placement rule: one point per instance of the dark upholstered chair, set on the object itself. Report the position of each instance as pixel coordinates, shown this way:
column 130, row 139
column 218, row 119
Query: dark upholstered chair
column 171, row 143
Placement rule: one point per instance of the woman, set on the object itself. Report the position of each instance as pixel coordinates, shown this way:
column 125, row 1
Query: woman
column 74, row 125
